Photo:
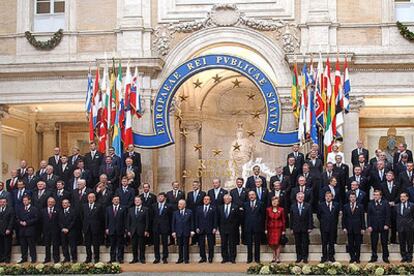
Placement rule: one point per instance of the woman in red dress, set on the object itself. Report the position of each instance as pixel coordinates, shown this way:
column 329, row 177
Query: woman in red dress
column 275, row 226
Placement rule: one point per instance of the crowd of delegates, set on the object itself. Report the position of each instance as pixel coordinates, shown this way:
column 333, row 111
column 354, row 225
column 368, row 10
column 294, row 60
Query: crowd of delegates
column 93, row 199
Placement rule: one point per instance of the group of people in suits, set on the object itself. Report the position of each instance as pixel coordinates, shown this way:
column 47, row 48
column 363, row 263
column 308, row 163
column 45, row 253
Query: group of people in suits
column 93, row 199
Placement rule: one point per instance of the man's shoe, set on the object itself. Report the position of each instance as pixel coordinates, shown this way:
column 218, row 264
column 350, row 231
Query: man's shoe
column 121, row 261
column 202, row 261
column 358, row 261
column 87, row 261
column 22, row 261
column 372, row 260
column 165, row 261
column 133, row 261
column 46, row 261
column 142, row 261
column 33, row 261
column 179, row 262
column 186, row 262
column 332, row 259
column 223, row 261
column 403, row 260
column 66, row 260
column 305, row 261
column 156, row 261
column 298, row 261
column 210, row 260
column 233, row 262
column 385, row 260
column 323, row 260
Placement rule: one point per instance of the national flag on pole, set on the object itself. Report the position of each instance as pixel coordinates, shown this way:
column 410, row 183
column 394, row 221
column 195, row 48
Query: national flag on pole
column 135, row 98
column 96, row 99
column 339, row 118
column 314, row 127
column 295, row 92
column 330, row 106
column 308, row 82
column 346, row 86
column 302, row 120
column 320, row 101
column 88, row 106
column 114, row 97
column 127, row 103
column 103, row 121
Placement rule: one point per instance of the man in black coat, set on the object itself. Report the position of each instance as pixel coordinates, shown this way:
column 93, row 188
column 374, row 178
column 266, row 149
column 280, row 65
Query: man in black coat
column 279, row 177
column 60, row 194
column 216, row 194
column 404, row 212
column 128, row 167
column 30, row 179
column 254, row 216
column 55, row 159
column 391, row 193
column 328, row 213
column 301, row 224
column 115, row 222
column 103, row 194
column 7, row 218
column 401, row 166
column 136, row 157
column 111, row 171
column 377, row 176
column 358, row 177
column 182, row 227
column 126, row 193
column 80, row 195
column 148, row 199
column 27, row 218
column 239, row 197
column 39, row 201
column 405, row 177
column 307, row 191
column 93, row 160
column 92, row 216
column 228, row 224
column 68, row 224
column 161, row 227
column 64, row 170
column 51, row 231
column 193, row 200
column 175, row 195
column 402, row 148
column 291, row 171
column 298, row 156
column 353, row 224
column 342, row 171
column 205, row 227
column 379, row 221
column 256, row 175
column 50, row 178
column 357, row 152
column 315, row 165
column 137, row 227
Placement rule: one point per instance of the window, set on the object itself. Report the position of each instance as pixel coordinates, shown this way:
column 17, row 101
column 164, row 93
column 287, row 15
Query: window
column 404, row 10
column 49, row 15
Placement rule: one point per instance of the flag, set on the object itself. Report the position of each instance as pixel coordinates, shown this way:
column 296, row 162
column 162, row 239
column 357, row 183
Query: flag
column 96, row 99
column 339, row 118
column 135, row 98
column 302, row 120
column 314, row 127
column 104, row 114
column 88, row 106
column 306, row 94
column 320, row 100
column 295, row 92
column 330, row 106
column 127, row 108
column 346, row 86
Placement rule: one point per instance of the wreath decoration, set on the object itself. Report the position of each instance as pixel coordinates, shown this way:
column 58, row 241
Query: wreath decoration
column 45, row 45
column 405, row 32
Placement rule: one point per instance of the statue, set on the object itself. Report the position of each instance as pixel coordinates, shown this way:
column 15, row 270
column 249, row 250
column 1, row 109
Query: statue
column 389, row 143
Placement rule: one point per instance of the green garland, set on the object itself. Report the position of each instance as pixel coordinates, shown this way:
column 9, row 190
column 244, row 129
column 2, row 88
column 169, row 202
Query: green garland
column 405, row 32
column 77, row 268
column 45, row 45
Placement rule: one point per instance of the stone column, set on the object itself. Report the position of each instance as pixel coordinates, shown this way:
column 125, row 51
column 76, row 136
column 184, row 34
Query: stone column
column 48, row 131
column 288, row 123
column 351, row 127
column 4, row 113
column 191, row 157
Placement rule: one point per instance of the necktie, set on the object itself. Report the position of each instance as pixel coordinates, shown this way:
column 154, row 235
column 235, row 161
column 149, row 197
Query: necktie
column 175, row 194
column 50, row 213
column 259, row 193
column 136, row 211
column 66, row 212
column 402, row 209
column 182, row 212
column 26, row 208
column 227, row 211
column 296, row 154
column 300, row 209
column 160, row 209
column 353, row 207
column 252, row 204
column 90, row 207
column 20, row 195
column 195, row 196
column 205, row 210
column 115, row 210
column 330, row 206
column 1, row 209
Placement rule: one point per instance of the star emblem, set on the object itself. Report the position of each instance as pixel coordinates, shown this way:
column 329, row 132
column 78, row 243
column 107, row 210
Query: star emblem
column 251, row 96
column 184, row 132
column 236, row 83
column 178, row 117
column 216, row 78
column 250, row 133
column 256, row 114
column 217, row 151
column 185, row 175
column 183, row 98
column 197, row 83
column 236, row 146
column 197, row 147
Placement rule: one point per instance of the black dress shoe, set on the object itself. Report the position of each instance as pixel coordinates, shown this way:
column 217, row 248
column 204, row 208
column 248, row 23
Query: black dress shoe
column 121, row 261
column 332, row 260
column 210, row 260
column 202, row 261
column 249, row 262
column 298, row 261
column 372, row 260
column 385, row 260
column 133, row 261
column 403, row 260
column 186, row 262
column 156, row 261
column 66, row 260
column 323, row 260
column 142, row 261
column 46, row 261
column 305, row 261
column 87, row 261
column 179, row 262
column 165, row 261
column 233, row 262
column 358, row 261
column 33, row 261
column 22, row 261
column 223, row 261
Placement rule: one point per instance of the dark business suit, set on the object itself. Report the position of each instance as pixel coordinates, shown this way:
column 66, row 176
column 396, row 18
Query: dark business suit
column 30, row 181
column 52, row 161
column 205, row 222
column 79, row 197
column 74, row 159
column 328, row 218
column 27, row 233
column 299, row 159
column 228, row 224
column 50, row 180
column 405, row 219
column 11, row 184
column 284, row 182
column 172, row 200
column 315, row 168
column 399, row 168
column 361, row 197
column 291, row 175
column 182, row 225
column 354, row 221
column 147, row 201
column 115, row 222
column 379, row 215
column 355, row 156
column 375, row 179
column 68, row 219
column 250, row 183
column 136, row 161
column 64, row 173
column 254, row 217
column 51, row 233
column 111, row 172
column 307, row 191
column 405, row 180
column 216, row 201
column 336, row 196
column 104, row 198
column 59, row 196
column 363, row 183
column 161, row 226
column 301, row 222
column 192, row 203
column 40, row 202
column 238, row 199
column 92, row 226
column 342, row 178
column 92, row 164
column 126, row 197
column 396, row 157
column 137, row 225
column 136, row 172
column 7, row 218
column 392, row 195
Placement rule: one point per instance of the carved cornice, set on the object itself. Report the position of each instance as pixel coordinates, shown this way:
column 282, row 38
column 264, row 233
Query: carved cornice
column 227, row 15
column 46, row 127
column 286, row 104
column 355, row 103
column 4, row 111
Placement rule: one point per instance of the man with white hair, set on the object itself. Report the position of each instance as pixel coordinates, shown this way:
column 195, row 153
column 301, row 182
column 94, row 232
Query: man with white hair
column 182, row 230
column 50, row 178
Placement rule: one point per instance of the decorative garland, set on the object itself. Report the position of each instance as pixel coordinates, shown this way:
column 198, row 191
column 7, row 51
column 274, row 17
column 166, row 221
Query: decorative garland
column 405, row 32
column 58, row 268
column 335, row 268
column 45, row 45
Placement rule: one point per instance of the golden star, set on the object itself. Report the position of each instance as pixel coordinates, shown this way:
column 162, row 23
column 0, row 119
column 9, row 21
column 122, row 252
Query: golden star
column 216, row 78
column 197, row 147
column 178, row 117
column 185, row 174
column 236, row 83
column 184, row 132
column 236, row 146
column 183, row 98
column 251, row 133
column 256, row 114
column 251, row 96
column 197, row 83
column 217, row 151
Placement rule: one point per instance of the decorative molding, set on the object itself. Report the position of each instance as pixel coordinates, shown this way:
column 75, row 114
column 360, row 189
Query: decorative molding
column 286, row 103
column 4, row 111
column 46, row 127
column 227, row 15
column 355, row 103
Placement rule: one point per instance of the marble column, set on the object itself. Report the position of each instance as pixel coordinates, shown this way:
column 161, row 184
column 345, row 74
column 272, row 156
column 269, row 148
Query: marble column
column 48, row 131
column 351, row 127
column 190, row 160
column 288, row 123
column 4, row 113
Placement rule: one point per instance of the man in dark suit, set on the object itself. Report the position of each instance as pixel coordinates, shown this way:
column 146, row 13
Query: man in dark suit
column 7, row 217
column 103, row 193
column 55, row 159
column 404, row 212
column 373, row 161
column 137, row 227
column 148, row 199
column 357, row 152
column 9, row 195
column 328, row 213
column 250, row 183
column 136, row 157
column 239, row 197
column 22, row 170
column 361, row 196
column 402, row 148
column 308, row 192
column 69, row 229
column 328, row 174
column 161, row 227
column 111, row 171
column 262, row 194
column 335, row 191
column 92, row 216
column 299, row 157
column 205, row 227
column 75, row 157
column 342, row 171
column 195, row 199
column 26, row 219
column 93, row 160
column 175, row 195
column 60, row 194
column 358, row 177
column 391, row 193
column 115, row 222
column 64, row 170
column 291, row 171
column 254, row 216
column 377, row 177
column 116, row 160
column 315, row 148
column 128, row 168
column 401, row 166
column 39, row 201
column 80, row 195
column 50, row 178
column 182, row 228
column 216, row 194
column 42, row 168
column 279, row 177
column 301, row 224
column 379, row 221
column 228, row 224
column 353, row 224
column 51, row 231
column 126, row 194
column 12, row 181
column 405, row 178
column 16, row 196
column 30, row 179
column 85, row 174
column 315, row 165
column 281, row 194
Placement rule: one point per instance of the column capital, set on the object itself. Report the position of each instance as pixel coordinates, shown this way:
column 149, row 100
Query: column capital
column 286, row 103
column 46, row 127
column 355, row 103
column 4, row 111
